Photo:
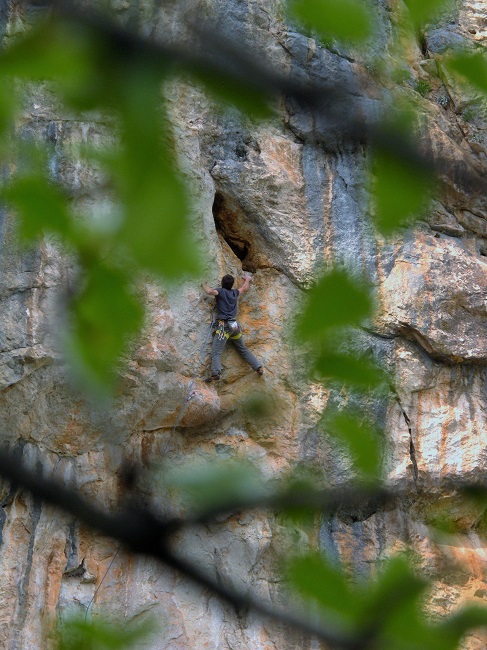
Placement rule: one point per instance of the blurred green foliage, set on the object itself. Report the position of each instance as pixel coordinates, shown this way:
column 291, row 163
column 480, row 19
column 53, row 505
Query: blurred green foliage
column 343, row 20
column 92, row 69
column 401, row 189
column 259, row 406
column 8, row 108
column 81, row 634
column 326, row 585
column 105, row 312
column 335, row 304
column 424, row 11
column 336, row 300
column 211, row 484
column 348, row 369
column 154, row 233
column 40, row 205
column 388, row 609
column 471, row 66
column 361, row 440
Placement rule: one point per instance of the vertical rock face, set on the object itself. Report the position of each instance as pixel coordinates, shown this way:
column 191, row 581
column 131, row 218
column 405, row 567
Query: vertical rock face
column 269, row 201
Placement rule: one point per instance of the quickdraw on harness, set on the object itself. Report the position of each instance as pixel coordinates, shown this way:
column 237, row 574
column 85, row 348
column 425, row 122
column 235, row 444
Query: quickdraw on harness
column 229, row 329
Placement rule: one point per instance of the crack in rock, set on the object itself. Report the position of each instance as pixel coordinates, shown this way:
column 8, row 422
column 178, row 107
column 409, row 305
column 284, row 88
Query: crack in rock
column 412, row 448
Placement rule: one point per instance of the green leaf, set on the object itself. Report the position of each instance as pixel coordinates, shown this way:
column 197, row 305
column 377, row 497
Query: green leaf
column 259, row 406
column 463, row 621
column 408, row 629
column 41, row 206
column 298, row 505
column 104, row 315
column 344, row 20
column 8, row 105
column 362, row 441
column 349, row 369
column 473, row 67
column 87, row 68
column 316, row 579
column 204, row 485
column 392, row 609
column 336, row 300
column 401, row 190
column 52, row 50
column 422, row 11
column 384, row 612
column 238, row 93
column 397, row 587
column 156, row 230
column 79, row 634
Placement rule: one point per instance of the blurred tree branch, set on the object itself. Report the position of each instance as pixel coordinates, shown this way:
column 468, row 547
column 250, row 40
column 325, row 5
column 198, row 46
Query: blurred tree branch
column 144, row 532
column 339, row 107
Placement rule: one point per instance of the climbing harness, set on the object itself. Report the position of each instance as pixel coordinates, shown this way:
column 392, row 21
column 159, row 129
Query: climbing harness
column 220, row 330
column 189, row 395
column 229, row 329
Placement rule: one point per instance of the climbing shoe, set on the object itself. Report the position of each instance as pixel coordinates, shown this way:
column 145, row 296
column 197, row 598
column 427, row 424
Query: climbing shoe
column 216, row 377
column 260, row 371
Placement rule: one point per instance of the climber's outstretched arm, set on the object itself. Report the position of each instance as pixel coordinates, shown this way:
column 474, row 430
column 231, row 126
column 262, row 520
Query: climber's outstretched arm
column 209, row 290
column 245, row 285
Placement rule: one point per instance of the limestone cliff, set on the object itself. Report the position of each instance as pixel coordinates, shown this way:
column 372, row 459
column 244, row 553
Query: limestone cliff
column 268, row 200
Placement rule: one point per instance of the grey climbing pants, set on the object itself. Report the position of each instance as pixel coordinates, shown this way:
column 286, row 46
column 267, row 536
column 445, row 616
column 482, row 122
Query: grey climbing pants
column 216, row 353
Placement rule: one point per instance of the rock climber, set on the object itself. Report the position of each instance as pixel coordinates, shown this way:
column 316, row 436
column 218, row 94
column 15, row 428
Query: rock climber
column 227, row 327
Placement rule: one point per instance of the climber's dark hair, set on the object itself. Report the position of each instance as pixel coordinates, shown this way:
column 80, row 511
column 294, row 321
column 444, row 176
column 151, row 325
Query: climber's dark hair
column 227, row 281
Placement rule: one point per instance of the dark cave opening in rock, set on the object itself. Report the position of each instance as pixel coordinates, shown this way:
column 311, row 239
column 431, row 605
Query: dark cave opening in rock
column 227, row 224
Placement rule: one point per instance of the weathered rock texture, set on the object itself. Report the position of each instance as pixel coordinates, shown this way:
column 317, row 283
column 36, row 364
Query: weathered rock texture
column 270, row 201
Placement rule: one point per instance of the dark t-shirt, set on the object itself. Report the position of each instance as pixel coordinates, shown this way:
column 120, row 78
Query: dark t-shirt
column 226, row 303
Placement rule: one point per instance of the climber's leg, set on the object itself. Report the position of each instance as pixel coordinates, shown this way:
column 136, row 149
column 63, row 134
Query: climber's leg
column 246, row 354
column 216, row 353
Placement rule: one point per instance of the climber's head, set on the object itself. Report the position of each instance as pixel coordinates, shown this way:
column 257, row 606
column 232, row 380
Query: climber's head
column 227, row 281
